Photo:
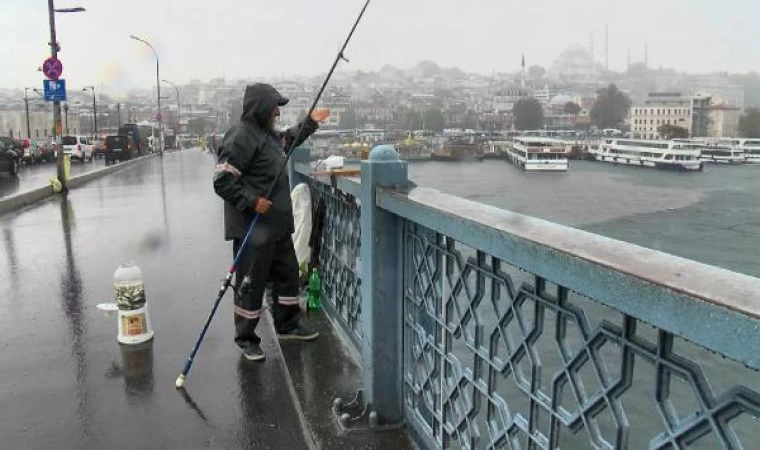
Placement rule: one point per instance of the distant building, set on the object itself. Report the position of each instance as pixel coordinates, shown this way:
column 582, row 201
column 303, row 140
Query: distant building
column 338, row 104
column 13, row 123
column 495, row 121
column 543, row 95
column 576, row 66
column 724, row 121
column 720, row 88
column 505, row 99
column 555, row 117
column 700, row 115
column 670, row 108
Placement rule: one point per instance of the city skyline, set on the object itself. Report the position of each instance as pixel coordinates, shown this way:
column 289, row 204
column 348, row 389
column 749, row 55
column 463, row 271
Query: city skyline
column 96, row 48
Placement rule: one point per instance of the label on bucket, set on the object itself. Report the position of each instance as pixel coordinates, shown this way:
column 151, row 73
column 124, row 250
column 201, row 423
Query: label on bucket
column 134, row 325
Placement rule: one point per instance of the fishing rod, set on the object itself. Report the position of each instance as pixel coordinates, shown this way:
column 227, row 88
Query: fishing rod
column 180, row 382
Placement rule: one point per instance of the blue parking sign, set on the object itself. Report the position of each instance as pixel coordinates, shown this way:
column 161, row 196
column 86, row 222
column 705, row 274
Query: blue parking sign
column 55, row 90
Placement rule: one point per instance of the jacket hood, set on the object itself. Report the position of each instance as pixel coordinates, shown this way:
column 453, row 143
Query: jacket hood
column 259, row 101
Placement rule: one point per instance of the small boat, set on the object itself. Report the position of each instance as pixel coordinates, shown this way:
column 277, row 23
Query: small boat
column 459, row 149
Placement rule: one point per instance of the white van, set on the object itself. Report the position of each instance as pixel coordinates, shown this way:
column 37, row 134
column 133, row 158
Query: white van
column 78, row 147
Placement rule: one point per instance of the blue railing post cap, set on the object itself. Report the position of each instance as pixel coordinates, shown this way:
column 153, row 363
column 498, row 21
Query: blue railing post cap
column 384, row 152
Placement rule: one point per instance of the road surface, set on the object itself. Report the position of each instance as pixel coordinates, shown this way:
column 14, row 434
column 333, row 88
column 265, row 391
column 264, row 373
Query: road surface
column 65, row 382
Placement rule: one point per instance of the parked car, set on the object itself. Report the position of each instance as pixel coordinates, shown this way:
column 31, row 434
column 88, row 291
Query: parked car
column 10, row 155
column 47, row 150
column 79, row 147
column 119, row 148
column 32, row 151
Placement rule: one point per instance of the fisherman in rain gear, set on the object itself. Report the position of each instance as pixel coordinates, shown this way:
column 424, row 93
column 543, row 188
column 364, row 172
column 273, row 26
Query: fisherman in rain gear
column 251, row 156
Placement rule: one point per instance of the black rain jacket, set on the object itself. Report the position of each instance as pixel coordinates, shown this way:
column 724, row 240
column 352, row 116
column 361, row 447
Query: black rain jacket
column 250, row 158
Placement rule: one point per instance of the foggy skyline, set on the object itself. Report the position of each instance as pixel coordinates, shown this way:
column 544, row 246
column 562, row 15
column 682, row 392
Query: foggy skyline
column 250, row 39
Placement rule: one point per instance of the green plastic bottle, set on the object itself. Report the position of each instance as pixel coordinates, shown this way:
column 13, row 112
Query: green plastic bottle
column 315, row 288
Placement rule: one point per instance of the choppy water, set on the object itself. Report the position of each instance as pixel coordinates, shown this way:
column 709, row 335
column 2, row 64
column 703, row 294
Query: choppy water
column 711, row 217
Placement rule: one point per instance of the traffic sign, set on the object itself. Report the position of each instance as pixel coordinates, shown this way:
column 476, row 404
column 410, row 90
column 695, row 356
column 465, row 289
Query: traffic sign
column 52, row 68
column 55, row 90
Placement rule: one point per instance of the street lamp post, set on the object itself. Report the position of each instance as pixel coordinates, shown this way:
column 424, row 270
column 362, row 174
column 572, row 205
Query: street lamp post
column 26, row 105
column 57, row 104
column 179, row 116
column 94, row 110
column 158, row 89
column 66, row 115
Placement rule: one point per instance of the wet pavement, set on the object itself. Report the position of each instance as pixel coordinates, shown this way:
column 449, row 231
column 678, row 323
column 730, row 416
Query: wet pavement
column 65, row 382
column 327, row 370
column 32, row 176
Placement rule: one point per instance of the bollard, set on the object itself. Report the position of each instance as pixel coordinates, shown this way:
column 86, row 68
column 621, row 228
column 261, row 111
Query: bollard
column 134, row 321
column 67, row 167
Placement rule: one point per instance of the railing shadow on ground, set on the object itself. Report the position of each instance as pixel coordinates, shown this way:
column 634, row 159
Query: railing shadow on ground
column 481, row 328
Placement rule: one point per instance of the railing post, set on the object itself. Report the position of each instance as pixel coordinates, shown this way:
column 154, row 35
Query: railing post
column 382, row 286
column 300, row 154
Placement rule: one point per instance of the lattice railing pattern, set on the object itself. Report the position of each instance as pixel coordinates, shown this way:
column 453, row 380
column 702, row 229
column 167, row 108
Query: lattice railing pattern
column 495, row 357
column 339, row 257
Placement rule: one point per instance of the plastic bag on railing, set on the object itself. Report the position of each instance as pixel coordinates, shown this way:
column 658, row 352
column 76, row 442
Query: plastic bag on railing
column 301, row 199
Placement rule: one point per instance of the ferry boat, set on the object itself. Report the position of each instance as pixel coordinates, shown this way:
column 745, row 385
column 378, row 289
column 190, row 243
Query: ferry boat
column 538, row 154
column 669, row 155
column 723, row 154
column 751, row 148
column 459, row 149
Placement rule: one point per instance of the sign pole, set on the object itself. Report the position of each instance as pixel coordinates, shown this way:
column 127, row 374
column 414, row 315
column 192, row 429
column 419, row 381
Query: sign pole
column 56, row 104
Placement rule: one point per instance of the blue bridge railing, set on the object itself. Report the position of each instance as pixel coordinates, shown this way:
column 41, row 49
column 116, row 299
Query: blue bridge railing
column 481, row 328
column 339, row 253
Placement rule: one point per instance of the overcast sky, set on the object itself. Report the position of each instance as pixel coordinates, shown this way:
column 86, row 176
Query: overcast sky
column 250, row 38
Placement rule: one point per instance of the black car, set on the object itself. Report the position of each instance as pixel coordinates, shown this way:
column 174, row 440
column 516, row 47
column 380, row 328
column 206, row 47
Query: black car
column 118, row 147
column 10, row 155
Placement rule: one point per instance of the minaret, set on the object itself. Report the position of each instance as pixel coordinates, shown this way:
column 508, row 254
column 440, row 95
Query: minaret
column 628, row 63
column 523, row 71
column 591, row 45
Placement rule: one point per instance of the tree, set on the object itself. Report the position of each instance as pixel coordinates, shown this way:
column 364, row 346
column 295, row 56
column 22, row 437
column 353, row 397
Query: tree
column 669, row 131
column 413, row 120
column 348, row 119
column 434, row 120
column 610, row 108
column 572, row 108
column 749, row 123
column 536, row 72
column 529, row 115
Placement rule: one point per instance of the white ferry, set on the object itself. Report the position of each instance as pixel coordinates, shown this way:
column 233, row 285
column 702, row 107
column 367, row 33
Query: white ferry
column 538, row 154
column 751, row 148
column 722, row 153
column 669, row 155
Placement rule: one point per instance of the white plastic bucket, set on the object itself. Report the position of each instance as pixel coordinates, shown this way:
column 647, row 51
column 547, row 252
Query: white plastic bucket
column 134, row 326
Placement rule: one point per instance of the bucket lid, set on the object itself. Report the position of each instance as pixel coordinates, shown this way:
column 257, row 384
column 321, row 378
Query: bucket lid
column 108, row 307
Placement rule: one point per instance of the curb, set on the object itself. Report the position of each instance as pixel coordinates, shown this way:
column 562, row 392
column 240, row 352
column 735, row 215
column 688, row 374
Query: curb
column 305, row 429
column 23, row 199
